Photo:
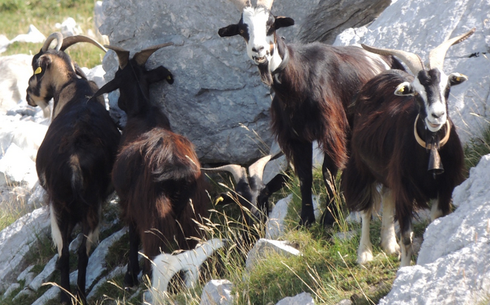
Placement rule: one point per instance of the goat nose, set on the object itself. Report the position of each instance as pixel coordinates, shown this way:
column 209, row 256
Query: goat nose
column 437, row 115
column 257, row 48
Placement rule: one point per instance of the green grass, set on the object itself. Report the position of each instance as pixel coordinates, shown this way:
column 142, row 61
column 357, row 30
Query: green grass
column 17, row 15
column 476, row 148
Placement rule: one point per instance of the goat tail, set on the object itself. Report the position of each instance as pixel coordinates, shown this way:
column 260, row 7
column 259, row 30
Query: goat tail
column 77, row 180
column 84, row 191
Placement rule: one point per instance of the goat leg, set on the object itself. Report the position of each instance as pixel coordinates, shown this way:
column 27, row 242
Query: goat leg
column 406, row 240
column 329, row 171
column 131, row 277
column 82, row 268
column 302, row 159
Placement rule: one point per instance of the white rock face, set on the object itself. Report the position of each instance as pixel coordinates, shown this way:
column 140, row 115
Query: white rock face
column 16, row 71
column 300, row 299
column 264, row 247
column 16, row 241
column 418, row 26
column 217, row 292
column 32, row 36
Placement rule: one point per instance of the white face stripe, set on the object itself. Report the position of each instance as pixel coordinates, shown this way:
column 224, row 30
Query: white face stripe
column 437, row 106
column 258, row 46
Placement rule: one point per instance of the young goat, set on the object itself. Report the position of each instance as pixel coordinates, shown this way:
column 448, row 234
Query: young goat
column 401, row 141
column 250, row 190
column 313, row 84
column 75, row 159
column 157, row 174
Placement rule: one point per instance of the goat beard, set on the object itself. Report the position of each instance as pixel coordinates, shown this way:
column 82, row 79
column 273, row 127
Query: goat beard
column 265, row 74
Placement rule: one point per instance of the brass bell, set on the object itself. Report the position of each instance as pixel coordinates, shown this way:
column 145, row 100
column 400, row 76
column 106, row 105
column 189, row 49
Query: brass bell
column 435, row 164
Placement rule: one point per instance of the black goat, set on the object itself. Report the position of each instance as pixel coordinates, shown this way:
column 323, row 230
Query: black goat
column 75, row 159
column 313, row 85
column 157, row 174
column 400, row 140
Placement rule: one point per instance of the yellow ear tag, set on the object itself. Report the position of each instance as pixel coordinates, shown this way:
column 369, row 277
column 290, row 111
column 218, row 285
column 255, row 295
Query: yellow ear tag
column 38, row 70
column 458, row 79
column 219, row 200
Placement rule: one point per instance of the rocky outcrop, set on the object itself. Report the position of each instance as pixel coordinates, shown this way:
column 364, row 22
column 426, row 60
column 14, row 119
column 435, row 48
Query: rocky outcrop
column 330, row 18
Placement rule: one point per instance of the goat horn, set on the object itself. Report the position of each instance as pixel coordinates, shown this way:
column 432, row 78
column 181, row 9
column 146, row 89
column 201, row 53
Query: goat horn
column 412, row 60
column 122, row 55
column 436, row 56
column 236, row 170
column 266, row 3
column 71, row 40
column 59, row 41
column 257, row 168
column 241, row 4
column 142, row 56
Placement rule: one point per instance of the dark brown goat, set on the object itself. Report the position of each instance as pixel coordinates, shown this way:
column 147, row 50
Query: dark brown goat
column 313, row 85
column 157, row 174
column 403, row 139
column 75, row 159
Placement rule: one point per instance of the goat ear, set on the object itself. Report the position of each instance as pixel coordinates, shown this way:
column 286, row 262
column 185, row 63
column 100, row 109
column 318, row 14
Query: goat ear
column 44, row 61
column 158, row 74
column 457, row 78
column 109, row 87
column 276, row 183
column 283, row 22
column 142, row 56
column 122, row 55
column 404, row 89
column 228, row 31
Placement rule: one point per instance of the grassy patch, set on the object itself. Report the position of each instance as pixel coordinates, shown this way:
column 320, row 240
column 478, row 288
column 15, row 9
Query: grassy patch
column 476, row 148
column 17, row 15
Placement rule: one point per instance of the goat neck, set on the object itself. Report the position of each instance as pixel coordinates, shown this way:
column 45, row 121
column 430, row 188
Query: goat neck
column 281, row 57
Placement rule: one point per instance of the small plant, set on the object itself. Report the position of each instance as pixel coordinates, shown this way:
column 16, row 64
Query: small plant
column 476, row 148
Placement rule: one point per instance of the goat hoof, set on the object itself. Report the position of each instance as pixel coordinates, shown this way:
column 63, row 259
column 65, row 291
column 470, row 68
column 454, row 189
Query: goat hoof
column 364, row 257
column 306, row 222
column 129, row 281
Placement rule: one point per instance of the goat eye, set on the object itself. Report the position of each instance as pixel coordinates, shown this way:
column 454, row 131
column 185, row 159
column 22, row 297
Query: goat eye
column 242, row 32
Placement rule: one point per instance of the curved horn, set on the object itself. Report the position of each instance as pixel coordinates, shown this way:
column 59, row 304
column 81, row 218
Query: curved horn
column 412, row 60
column 71, row 40
column 142, row 56
column 59, row 39
column 257, row 168
column 266, row 3
column 237, row 171
column 122, row 55
column 241, row 4
column 436, row 56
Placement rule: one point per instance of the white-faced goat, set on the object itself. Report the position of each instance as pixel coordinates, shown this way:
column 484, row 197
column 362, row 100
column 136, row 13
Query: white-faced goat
column 401, row 139
column 313, row 84
column 74, row 161
column 250, row 190
column 157, row 174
